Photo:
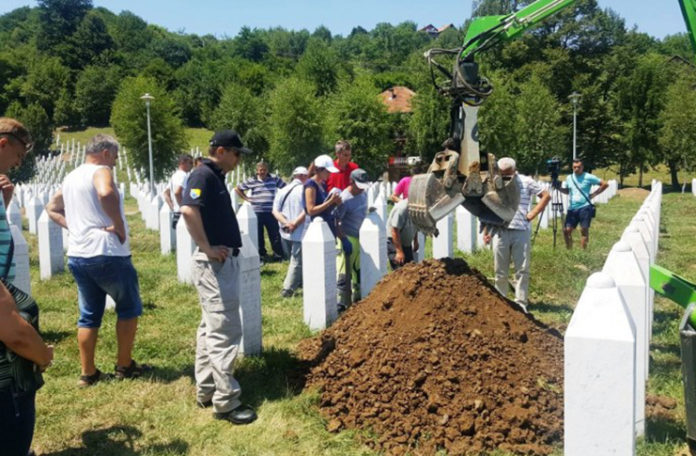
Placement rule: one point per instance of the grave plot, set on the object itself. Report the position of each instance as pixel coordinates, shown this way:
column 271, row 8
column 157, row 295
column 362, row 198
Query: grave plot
column 435, row 359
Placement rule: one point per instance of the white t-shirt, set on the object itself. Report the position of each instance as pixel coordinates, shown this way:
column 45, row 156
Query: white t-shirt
column 178, row 179
column 86, row 219
column 293, row 206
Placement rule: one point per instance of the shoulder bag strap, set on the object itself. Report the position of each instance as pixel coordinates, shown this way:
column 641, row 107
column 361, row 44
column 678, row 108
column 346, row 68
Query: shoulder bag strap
column 282, row 203
column 581, row 192
column 10, row 254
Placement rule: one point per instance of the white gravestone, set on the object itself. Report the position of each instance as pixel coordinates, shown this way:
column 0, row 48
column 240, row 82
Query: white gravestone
column 380, row 205
column 250, row 298
column 33, row 212
column 50, row 247
column 466, row 230
column 21, row 259
column 622, row 265
column 373, row 252
column 153, row 210
column 14, row 214
column 442, row 243
column 248, row 223
column 184, row 252
column 167, row 234
column 319, row 251
column 599, row 373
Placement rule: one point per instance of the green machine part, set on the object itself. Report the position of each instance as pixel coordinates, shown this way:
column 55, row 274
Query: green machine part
column 688, row 8
column 487, row 31
column 674, row 287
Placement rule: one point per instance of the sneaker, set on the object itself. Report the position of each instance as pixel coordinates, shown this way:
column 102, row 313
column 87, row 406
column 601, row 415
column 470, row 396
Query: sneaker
column 135, row 370
column 286, row 293
column 243, row 414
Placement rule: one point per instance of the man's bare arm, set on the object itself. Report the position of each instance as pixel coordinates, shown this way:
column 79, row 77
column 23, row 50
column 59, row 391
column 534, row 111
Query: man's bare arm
column 56, row 209
column 109, row 199
column 194, row 224
column 18, row 335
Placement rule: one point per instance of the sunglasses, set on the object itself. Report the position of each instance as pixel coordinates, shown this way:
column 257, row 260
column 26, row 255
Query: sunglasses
column 27, row 145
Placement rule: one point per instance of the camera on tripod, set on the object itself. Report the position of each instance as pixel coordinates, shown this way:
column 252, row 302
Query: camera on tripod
column 553, row 167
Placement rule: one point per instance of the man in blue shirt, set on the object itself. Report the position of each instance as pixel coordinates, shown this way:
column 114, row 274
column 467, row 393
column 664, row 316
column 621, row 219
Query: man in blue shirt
column 263, row 188
column 580, row 211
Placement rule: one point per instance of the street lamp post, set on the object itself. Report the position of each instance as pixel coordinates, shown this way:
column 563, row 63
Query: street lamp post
column 148, row 98
column 574, row 97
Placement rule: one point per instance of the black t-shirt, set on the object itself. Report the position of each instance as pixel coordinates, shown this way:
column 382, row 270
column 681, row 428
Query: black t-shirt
column 206, row 189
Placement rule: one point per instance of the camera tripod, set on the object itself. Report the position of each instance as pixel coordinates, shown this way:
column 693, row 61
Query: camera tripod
column 555, row 207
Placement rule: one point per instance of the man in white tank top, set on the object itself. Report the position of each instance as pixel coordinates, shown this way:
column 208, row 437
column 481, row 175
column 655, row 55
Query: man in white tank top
column 99, row 257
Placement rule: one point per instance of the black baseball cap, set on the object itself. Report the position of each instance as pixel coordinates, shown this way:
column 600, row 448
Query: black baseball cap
column 229, row 138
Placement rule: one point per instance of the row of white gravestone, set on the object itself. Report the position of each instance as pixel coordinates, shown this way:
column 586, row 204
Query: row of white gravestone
column 693, row 186
column 607, row 344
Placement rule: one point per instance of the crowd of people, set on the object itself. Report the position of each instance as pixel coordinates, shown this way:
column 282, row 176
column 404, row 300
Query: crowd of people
column 88, row 205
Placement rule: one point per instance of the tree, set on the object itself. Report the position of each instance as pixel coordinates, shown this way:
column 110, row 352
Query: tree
column 240, row 110
column 319, row 65
column 59, row 19
column 295, row 130
column 358, row 115
column 429, row 125
column 65, row 113
column 36, row 120
column 497, row 128
column 128, row 117
column 537, row 127
column 95, row 91
column 678, row 135
column 91, row 39
column 45, row 79
column 249, row 44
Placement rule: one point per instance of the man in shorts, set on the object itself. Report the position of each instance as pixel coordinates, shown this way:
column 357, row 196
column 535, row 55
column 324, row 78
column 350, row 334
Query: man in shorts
column 580, row 210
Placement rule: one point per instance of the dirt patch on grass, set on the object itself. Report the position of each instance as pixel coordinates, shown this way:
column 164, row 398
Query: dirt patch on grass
column 435, row 359
column 631, row 193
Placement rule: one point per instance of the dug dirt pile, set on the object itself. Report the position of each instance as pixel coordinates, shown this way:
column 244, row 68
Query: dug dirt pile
column 435, row 359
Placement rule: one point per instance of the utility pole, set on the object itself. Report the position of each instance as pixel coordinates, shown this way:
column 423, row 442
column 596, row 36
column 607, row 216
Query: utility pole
column 148, row 98
column 574, row 97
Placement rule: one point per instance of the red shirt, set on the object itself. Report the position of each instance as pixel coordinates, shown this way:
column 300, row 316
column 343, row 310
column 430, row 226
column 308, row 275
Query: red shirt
column 341, row 180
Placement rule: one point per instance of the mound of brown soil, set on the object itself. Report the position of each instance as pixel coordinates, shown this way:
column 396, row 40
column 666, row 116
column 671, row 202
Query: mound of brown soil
column 435, row 359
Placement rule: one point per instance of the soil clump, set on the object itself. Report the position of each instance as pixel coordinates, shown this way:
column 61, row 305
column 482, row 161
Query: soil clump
column 434, row 358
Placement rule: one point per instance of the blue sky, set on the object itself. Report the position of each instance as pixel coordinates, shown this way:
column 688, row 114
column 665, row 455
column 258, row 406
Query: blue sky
column 225, row 18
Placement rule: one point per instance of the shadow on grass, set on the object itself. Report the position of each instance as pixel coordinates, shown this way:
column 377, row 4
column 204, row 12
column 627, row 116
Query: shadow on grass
column 662, row 429
column 275, row 374
column 550, row 307
column 54, row 337
column 672, row 349
column 266, row 272
column 120, row 441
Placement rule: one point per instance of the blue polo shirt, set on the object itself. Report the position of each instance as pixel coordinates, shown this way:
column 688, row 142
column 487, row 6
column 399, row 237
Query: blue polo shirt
column 585, row 181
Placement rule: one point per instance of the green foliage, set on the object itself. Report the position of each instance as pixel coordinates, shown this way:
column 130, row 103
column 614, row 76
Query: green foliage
column 36, row 120
column 319, row 65
column 250, row 45
column 295, row 129
column 129, row 119
column 429, row 125
column 91, row 40
column 358, row 115
column 59, row 19
column 240, row 110
column 95, row 91
column 45, row 79
column 65, row 113
column 678, row 135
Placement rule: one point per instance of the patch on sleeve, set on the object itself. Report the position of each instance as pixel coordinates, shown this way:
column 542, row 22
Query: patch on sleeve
column 195, row 193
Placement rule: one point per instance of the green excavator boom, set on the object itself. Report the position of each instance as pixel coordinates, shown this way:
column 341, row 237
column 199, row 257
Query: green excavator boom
column 688, row 8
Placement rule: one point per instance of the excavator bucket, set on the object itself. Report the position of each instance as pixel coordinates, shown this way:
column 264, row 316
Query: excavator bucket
column 429, row 201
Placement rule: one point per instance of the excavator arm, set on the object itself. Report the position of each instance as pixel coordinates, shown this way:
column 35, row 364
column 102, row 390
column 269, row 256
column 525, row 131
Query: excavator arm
column 459, row 174
column 688, row 8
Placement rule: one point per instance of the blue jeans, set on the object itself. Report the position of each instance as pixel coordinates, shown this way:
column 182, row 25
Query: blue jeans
column 17, row 417
column 266, row 219
column 101, row 275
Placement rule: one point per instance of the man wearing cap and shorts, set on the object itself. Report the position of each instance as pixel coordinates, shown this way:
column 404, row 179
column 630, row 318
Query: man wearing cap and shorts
column 207, row 210
column 289, row 211
column 99, row 257
column 350, row 215
column 580, row 211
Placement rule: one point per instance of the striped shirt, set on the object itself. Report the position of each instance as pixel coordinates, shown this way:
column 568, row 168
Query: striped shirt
column 262, row 191
column 528, row 188
column 5, row 240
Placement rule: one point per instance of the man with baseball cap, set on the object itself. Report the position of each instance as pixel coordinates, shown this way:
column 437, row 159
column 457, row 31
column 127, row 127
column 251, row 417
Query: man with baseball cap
column 289, row 211
column 207, row 211
column 349, row 217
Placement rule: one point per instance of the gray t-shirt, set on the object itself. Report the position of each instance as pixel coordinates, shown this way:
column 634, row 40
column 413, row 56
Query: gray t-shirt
column 399, row 219
column 352, row 212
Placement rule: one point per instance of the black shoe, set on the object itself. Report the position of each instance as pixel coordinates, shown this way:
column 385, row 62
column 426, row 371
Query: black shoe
column 243, row 414
column 286, row 293
column 205, row 404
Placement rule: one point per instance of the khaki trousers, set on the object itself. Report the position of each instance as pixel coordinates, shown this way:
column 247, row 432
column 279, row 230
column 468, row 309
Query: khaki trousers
column 512, row 245
column 220, row 331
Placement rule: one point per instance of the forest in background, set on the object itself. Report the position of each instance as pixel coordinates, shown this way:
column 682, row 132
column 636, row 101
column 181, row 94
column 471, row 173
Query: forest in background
column 293, row 93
